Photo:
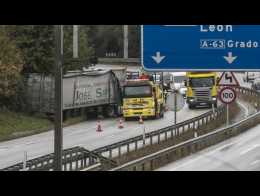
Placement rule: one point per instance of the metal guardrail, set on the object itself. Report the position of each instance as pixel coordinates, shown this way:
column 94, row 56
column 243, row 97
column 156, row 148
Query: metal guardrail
column 250, row 95
column 170, row 154
column 161, row 135
column 78, row 158
column 73, row 159
column 190, row 146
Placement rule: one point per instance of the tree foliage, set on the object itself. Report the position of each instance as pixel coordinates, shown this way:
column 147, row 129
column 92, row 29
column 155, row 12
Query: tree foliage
column 109, row 39
column 11, row 64
column 37, row 43
column 86, row 51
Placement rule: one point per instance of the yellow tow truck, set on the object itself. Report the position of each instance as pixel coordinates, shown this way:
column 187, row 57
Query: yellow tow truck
column 202, row 89
column 142, row 97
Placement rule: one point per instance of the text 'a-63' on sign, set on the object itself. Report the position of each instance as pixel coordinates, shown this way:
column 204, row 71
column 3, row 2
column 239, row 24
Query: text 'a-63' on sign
column 227, row 95
column 200, row 47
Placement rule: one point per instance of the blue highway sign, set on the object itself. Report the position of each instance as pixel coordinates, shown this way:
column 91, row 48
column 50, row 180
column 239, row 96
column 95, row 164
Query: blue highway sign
column 200, row 47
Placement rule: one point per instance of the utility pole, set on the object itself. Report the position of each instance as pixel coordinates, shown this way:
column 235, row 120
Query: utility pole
column 58, row 134
column 125, row 41
column 227, row 114
column 175, row 106
column 75, row 41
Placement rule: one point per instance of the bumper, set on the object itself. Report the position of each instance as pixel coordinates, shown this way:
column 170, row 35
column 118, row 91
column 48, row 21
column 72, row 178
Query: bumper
column 193, row 102
column 138, row 112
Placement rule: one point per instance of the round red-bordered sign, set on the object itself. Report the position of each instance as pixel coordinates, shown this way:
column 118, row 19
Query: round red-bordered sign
column 227, row 95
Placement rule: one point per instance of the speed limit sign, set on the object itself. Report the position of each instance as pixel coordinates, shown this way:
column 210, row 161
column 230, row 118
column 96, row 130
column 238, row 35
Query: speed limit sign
column 227, row 95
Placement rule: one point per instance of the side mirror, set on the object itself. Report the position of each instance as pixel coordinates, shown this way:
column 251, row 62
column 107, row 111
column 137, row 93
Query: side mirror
column 218, row 78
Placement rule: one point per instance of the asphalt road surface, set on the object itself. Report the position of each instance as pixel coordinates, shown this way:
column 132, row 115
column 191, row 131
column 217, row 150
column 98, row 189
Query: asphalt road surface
column 241, row 153
column 84, row 134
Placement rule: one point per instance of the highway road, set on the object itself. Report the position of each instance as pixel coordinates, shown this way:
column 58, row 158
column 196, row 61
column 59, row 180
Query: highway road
column 84, row 134
column 241, row 153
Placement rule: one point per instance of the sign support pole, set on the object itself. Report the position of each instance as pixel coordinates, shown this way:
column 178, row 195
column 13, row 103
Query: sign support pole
column 213, row 110
column 144, row 135
column 75, row 41
column 227, row 114
column 125, row 28
column 24, row 160
column 175, row 107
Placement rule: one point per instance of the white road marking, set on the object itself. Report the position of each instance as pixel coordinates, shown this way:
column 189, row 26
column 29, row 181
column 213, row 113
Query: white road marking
column 250, row 149
column 255, row 162
column 244, row 107
column 3, row 148
column 29, row 143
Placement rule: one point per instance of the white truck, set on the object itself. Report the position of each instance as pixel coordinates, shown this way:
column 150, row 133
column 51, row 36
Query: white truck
column 250, row 76
column 88, row 91
column 178, row 82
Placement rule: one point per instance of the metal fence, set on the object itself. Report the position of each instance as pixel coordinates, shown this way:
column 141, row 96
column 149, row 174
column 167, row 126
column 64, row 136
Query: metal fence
column 186, row 128
column 78, row 158
column 170, row 154
column 73, row 159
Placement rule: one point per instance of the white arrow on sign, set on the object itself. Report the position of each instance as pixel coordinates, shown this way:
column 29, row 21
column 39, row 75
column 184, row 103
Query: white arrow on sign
column 230, row 58
column 158, row 58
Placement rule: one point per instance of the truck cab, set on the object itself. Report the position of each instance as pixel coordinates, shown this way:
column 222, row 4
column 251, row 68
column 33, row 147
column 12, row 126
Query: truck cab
column 142, row 98
column 201, row 89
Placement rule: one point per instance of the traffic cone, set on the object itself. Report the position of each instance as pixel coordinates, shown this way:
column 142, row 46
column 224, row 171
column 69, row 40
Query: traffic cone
column 141, row 120
column 99, row 127
column 166, row 108
column 120, row 126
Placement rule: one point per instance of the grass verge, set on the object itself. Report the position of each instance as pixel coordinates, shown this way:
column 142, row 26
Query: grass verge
column 15, row 125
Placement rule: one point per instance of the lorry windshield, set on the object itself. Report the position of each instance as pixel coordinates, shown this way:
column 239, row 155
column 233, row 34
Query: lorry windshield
column 179, row 79
column 137, row 91
column 202, row 82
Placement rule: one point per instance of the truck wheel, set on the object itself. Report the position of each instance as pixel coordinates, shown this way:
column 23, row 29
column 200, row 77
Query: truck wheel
column 110, row 111
column 191, row 107
column 162, row 112
column 119, row 111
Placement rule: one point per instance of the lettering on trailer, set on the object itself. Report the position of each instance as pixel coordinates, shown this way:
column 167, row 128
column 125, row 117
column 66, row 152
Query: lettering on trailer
column 228, row 79
column 200, row 47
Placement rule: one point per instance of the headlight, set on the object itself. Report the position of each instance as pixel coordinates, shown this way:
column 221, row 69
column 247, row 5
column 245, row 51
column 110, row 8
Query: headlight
column 214, row 99
column 191, row 100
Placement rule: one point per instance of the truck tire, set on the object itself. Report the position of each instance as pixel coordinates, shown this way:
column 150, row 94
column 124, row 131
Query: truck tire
column 191, row 107
column 110, row 111
column 161, row 112
column 156, row 115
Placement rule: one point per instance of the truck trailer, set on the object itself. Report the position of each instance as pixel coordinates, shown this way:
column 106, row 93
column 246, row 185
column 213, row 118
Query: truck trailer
column 89, row 91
